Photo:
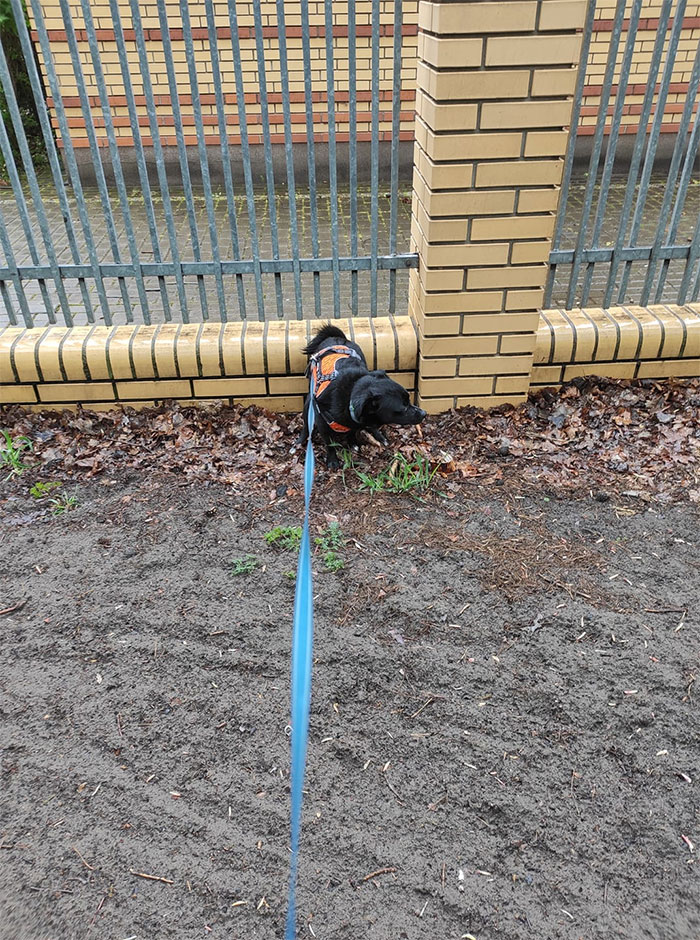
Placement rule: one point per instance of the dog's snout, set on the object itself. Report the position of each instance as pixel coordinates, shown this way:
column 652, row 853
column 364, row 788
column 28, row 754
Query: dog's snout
column 421, row 414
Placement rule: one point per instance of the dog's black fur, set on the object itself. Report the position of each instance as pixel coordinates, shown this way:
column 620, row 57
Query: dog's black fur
column 377, row 400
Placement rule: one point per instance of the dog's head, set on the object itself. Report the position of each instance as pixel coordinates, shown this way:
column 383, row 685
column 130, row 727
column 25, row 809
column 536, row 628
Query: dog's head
column 377, row 400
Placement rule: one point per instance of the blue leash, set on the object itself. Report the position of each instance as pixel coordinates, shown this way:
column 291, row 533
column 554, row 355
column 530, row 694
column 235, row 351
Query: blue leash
column 302, row 660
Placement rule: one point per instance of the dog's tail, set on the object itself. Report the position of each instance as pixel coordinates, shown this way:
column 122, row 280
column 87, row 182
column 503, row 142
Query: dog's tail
column 326, row 332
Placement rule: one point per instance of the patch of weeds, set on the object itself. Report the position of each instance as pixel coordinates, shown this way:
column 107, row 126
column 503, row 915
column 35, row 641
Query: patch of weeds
column 40, row 490
column 285, row 537
column 292, row 575
column 401, row 476
column 11, row 452
column 330, row 541
column 62, row 503
column 245, row 565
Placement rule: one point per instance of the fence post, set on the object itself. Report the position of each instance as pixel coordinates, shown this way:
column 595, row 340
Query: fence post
column 494, row 97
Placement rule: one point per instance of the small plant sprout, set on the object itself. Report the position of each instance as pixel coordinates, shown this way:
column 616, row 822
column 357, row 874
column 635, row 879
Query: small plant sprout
column 401, row 476
column 244, row 565
column 11, row 452
column 285, row 537
column 330, row 541
column 40, row 490
column 62, row 503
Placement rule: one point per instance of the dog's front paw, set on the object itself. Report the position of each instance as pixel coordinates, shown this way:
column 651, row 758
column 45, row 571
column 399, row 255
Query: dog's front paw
column 332, row 461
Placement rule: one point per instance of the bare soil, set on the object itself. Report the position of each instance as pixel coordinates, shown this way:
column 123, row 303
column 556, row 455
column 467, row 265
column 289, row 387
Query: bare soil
column 504, row 732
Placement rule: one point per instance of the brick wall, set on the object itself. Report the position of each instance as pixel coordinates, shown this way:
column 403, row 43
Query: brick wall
column 151, row 24
column 644, row 44
column 494, row 100
column 103, row 22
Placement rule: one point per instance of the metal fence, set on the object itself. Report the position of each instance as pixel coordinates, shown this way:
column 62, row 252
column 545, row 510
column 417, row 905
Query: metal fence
column 643, row 259
column 184, row 252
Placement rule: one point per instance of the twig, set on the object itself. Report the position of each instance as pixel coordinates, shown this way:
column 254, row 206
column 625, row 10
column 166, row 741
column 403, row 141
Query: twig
column 648, row 610
column 379, row 871
column 424, row 705
column 89, row 867
column 394, row 792
column 9, row 610
column 140, row 874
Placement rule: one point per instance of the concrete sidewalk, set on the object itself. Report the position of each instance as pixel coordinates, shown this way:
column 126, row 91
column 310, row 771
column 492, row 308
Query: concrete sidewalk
column 285, row 283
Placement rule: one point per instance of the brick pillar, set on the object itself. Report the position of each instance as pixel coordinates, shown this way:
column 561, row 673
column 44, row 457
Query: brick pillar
column 495, row 84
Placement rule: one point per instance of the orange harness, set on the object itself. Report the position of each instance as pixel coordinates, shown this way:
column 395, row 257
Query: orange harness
column 323, row 369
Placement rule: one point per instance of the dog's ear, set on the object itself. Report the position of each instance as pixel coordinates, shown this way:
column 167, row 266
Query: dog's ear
column 365, row 403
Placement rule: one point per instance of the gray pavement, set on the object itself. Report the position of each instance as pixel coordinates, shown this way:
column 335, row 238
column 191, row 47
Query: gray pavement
column 123, row 298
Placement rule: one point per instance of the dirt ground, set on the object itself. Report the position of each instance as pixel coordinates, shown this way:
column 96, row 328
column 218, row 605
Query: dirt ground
column 504, row 725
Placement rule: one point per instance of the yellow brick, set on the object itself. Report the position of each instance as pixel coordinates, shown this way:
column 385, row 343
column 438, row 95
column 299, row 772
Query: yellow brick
column 226, row 388
column 520, row 173
column 490, row 401
column 141, row 339
column 447, row 54
column 210, row 351
column 444, row 175
column 17, row 394
column 75, row 391
column 472, row 146
column 524, row 276
column 72, row 353
column 546, row 143
column 530, row 252
column 522, row 226
column 609, row 370
column 96, row 352
column 442, row 280
column 253, row 346
column 546, row 375
column 118, row 351
column 435, row 406
column 512, row 384
column 452, row 386
column 538, row 200
column 512, row 114
column 459, row 346
column 232, row 349
column 500, row 322
column 477, row 85
column 560, row 344
column 532, row 50
column 432, row 325
column 495, row 365
column 481, row 17
column 454, row 255
column 169, row 388
column 446, row 117
column 551, row 83
column 437, row 368
column 24, row 355
column 463, row 302
column 494, row 202
column 524, row 299
column 518, row 343
column 286, row 403
column 164, row 351
column 447, row 230
column 563, row 14
column 669, row 368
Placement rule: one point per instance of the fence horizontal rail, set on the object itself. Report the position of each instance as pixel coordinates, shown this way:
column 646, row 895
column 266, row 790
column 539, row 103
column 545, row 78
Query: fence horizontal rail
column 200, row 268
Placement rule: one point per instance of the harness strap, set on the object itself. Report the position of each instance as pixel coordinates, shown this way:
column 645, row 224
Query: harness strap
column 322, row 378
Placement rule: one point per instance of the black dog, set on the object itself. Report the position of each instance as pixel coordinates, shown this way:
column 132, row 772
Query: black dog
column 348, row 397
